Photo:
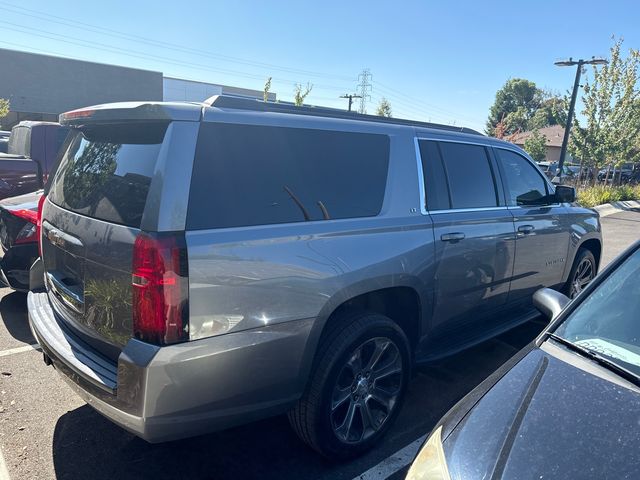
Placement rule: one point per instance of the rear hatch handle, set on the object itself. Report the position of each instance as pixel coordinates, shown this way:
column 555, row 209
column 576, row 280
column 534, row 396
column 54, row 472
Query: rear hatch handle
column 65, row 293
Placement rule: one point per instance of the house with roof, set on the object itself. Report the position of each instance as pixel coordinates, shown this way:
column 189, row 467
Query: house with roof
column 553, row 134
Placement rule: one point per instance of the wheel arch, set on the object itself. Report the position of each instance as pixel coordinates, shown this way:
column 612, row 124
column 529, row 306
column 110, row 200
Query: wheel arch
column 594, row 245
column 390, row 296
column 591, row 241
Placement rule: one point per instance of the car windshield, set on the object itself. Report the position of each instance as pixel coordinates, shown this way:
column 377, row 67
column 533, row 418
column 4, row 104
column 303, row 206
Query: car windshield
column 608, row 321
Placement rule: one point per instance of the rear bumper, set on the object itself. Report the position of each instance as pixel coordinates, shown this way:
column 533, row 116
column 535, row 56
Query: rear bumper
column 182, row 390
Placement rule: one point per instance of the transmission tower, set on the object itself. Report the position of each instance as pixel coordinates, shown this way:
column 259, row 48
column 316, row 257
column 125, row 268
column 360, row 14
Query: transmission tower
column 364, row 88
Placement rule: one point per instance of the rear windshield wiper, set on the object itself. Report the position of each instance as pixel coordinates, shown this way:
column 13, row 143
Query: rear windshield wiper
column 596, row 357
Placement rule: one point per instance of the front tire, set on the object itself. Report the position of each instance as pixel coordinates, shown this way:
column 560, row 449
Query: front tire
column 583, row 271
column 356, row 388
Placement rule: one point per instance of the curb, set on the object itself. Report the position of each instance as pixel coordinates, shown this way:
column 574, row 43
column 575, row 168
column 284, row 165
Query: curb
column 617, row 207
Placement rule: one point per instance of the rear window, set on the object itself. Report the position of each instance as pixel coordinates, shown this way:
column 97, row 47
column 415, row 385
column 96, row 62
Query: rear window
column 20, row 141
column 106, row 171
column 256, row 175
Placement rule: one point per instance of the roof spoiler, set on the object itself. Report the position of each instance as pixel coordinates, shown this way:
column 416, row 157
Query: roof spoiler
column 131, row 112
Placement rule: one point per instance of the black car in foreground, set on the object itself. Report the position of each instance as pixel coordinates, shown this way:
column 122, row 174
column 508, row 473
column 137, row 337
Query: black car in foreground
column 567, row 406
column 18, row 239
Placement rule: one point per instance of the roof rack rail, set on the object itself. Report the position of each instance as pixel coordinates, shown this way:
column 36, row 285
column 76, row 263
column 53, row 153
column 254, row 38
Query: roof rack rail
column 235, row 102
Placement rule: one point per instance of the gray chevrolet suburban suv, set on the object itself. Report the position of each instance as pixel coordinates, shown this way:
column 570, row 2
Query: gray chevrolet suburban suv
column 207, row 265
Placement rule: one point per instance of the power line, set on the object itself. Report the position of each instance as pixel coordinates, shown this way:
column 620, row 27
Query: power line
column 166, row 45
column 391, row 91
column 417, row 110
column 445, row 115
column 365, row 89
column 139, row 54
column 198, row 52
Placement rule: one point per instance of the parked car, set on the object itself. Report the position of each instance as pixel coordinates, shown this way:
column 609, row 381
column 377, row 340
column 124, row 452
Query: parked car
column 625, row 173
column 18, row 239
column 564, row 407
column 4, row 141
column 550, row 169
column 210, row 264
column 32, row 152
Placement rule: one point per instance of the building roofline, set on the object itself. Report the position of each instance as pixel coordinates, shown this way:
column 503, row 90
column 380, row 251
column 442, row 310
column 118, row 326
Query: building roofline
column 63, row 57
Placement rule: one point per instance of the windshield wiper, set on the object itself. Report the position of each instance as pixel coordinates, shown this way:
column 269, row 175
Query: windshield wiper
column 596, row 357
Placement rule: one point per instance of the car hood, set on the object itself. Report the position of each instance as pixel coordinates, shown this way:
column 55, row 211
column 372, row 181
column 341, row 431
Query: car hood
column 550, row 418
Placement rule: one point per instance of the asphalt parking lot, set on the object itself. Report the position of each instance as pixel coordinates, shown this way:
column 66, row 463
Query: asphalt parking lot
column 47, row 432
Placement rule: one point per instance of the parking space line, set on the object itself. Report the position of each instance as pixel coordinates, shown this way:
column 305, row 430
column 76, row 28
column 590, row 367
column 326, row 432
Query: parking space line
column 26, row 348
column 395, row 462
column 4, row 472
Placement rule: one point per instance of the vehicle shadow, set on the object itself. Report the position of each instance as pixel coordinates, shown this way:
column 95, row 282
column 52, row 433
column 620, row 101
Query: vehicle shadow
column 86, row 445
column 14, row 315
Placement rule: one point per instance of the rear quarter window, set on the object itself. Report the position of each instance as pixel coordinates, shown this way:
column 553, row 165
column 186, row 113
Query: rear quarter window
column 248, row 175
column 105, row 171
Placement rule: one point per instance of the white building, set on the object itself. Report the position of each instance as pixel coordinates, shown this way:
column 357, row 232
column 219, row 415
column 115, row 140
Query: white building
column 179, row 90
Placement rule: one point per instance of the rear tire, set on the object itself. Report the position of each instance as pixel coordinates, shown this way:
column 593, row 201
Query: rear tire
column 357, row 386
column 583, row 271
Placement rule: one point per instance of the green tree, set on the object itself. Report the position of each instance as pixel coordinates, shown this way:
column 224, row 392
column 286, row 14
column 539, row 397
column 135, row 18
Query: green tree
column 267, row 88
column 518, row 98
column 4, row 107
column 521, row 106
column 517, row 121
column 299, row 95
column 536, row 146
column 609, row 130
column 384, row 108
column 552, row 111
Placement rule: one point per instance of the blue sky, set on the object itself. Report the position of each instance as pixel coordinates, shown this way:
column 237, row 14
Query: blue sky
column 434, row 61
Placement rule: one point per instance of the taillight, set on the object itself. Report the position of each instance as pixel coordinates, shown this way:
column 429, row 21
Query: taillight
column 27, row 234
column 160, row 281
column 39, row 222
column 28, row 215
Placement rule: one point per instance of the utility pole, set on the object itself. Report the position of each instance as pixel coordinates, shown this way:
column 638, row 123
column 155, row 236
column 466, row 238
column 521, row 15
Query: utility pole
column 365, row 89
column 350, row 96
column 565, row 140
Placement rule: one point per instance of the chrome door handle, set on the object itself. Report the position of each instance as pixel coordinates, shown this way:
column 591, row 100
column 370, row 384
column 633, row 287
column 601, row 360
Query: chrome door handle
column 452, row 237
column 526, row 229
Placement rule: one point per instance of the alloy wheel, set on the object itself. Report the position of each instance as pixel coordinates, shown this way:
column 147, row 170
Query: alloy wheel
column 367, row 390
column 583, row 276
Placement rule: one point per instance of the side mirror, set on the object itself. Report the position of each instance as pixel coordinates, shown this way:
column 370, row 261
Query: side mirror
column 565, row 194
column 549, row 302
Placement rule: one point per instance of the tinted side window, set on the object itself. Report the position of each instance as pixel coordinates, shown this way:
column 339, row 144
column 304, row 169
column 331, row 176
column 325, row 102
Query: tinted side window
column 471, row 181
column 435, row 181
column 257, row 175
column 524, row 184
